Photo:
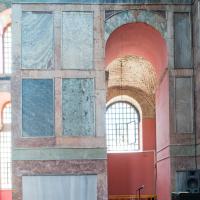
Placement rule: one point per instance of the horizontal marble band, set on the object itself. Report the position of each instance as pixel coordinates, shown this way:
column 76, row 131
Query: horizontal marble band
column 184, row 150
column 58, row 154
column 106, row 1
column 4, row 86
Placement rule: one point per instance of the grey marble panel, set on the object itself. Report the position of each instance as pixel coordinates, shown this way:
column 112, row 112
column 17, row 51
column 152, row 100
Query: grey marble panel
column 77, row 40
column 182, row 40
column 78, row 104
column 37, row 107
column 80, row 187
column 184, row 105
column 37, row 40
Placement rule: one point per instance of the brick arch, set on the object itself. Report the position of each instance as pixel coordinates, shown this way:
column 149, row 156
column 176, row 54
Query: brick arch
column 152, row 18
column 138, row 39
column 146, row 102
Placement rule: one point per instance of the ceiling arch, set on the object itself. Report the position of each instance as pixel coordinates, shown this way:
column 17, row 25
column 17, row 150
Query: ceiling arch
column 138, row 39
column 155, row 19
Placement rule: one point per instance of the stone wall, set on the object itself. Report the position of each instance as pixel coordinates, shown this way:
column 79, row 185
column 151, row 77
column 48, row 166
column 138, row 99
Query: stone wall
column 58, row 95
column 62, row 68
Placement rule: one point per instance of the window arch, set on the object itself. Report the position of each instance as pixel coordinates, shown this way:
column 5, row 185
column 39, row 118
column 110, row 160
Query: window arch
column 122, row 127
column 5, row 148
column 7, row 55
column 7, row 114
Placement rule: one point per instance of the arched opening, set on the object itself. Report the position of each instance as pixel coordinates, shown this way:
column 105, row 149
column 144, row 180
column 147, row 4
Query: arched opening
column 5, row 148
column 122, row 127
column 136, row 60
column 5, row 42
column 7, row 55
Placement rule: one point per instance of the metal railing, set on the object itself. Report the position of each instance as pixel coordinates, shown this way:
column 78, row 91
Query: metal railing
column 132, row 197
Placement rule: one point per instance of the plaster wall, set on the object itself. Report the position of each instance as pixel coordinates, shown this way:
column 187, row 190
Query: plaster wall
column 6, row 195
column 129, row 171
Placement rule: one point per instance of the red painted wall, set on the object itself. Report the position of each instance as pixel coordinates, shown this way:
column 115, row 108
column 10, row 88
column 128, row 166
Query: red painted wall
column 163, row 140
column 162, row 114
column 5, row 194
column 163, row 180
column 149, row 134
column 128, row 171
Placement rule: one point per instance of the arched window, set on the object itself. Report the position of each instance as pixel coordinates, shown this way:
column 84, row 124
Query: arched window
column 7, row 55
column 122, row 127
column 7, row 114
column 5, row 148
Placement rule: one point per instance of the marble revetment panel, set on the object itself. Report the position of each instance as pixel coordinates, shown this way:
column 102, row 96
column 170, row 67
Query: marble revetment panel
column 78, row 107
column 71, row 187
column 182, row 40
column 37, row 107
column 184, row 105
column 37, row 40
column 77, row 40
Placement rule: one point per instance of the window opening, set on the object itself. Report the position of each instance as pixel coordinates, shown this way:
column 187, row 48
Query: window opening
column 5, row 149
column 7, row 55
column 122, row 127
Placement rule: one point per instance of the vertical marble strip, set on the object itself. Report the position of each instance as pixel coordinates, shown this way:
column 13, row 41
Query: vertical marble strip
column 77, row 40
column 58, row 106
column 78, row 107
column 57, row 36
column 100, row 113
column 99, row 43
column 37, row 40
column 183, row 40
column 80, row 187
column 184, row 105
column 16, row 37
column 170, row 39
column 37, row 107
column 16, row 106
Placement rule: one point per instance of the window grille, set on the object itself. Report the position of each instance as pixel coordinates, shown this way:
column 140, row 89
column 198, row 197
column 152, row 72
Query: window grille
column 7, row 55
column 5, row 150
column 122, row 127
column 7, row 114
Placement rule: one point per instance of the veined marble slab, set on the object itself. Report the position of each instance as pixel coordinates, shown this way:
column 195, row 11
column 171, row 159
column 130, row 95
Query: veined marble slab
column 37, row 107
column 6, row 3
column 182, row 40
column 78, row 107
column 37, row 40
column 66, row 187
column 77, row 40
column 59, row 154
column 184, row 104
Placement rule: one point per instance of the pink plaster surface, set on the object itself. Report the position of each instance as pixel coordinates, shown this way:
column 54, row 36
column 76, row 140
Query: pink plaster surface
column 149, row 134
column 164, row 180
column 128, row 171
column 5, row 194
column 162, row 114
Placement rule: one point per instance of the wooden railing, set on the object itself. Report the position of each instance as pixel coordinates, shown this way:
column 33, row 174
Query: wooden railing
column 132, row 197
